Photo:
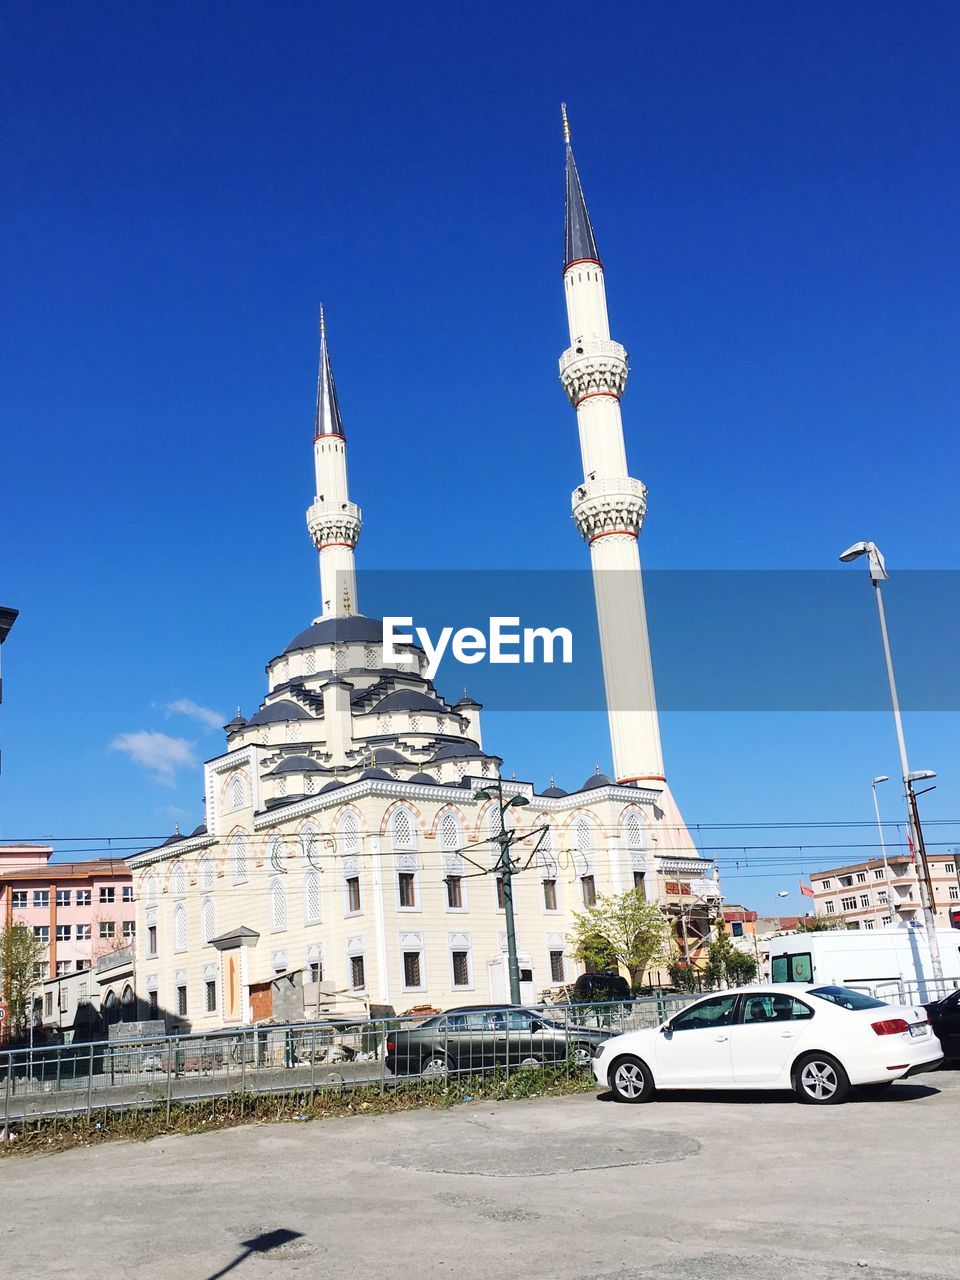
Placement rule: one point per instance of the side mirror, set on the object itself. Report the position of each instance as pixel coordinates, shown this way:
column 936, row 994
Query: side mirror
column 536, row 1025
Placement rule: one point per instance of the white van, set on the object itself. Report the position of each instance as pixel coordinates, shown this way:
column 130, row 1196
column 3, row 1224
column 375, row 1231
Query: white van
column 890, row 963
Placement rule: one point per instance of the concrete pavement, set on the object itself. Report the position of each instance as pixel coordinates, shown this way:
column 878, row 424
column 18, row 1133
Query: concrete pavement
column 566, row 1188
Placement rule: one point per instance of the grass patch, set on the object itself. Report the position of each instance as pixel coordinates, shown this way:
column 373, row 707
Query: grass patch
column 298, row 1106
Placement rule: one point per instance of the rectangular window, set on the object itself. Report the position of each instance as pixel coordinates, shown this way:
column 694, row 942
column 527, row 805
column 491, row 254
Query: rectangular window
column 461, row 968
column 640, row 882
column 20, row 897
column 829, row 908
column 83, row 897
column 883, row 897
column 556, row 966
column 353, row 893
column 501, row 900
column 63, row 933
column 42, row 931
column 455, row 893
column 107, row 893
column 954, row 892
column 63, row 897
column 152, row 1002
column 82, row 964
column 550, row 895
column 47, row 1004
column 737, row 928
column 411, row 969
column 83, row 933
column 878, row 873
column 151, row 939
column 848, row 904
column 864, row 899
column 861, row 877
column 589, row 890
column 41, row 897
column 181, row 1001
column 825, row 885
column 316, row 971
column 210, row 994
column 407, row 886
column 129, row 928
column 846, row 882
column 357, row 976
column 949, row 868
column 63, row 966
column 126, row 894
column 868, row 924
column 106, row 929
column 887, row 920
column 82, row 991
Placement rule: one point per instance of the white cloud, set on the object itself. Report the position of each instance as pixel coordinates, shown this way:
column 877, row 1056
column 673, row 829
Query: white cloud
column 158, row 752
column 209, row 718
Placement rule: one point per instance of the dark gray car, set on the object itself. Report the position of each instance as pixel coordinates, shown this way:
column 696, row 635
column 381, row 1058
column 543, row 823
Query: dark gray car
column 479, row 1037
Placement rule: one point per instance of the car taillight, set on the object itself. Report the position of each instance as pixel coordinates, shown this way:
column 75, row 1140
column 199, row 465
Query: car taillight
column 391, row 1046
column 890, row 1026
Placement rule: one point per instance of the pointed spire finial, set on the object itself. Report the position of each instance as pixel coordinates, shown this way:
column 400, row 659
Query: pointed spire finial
column 328, row 420
column 553, row 781
column 579, row 241
column 597, row 767
column 566, row 123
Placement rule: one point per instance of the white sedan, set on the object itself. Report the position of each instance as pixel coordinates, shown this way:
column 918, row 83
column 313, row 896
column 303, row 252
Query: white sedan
column 816, row 1040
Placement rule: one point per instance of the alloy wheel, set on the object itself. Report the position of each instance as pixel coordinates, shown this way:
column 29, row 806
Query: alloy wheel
column 819, row 1080
column 630, row 1080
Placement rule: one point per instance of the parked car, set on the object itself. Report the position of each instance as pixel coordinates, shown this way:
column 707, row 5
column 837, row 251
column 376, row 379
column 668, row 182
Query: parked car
column 816, row 1040
column 944, row 1017
column 474, row 1038
column 597, row 988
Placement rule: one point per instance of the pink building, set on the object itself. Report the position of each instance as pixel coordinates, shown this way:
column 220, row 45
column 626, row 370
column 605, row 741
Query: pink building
column 81, row 910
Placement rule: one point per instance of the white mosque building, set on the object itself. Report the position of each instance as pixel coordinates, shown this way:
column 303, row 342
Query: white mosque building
column 337, row 856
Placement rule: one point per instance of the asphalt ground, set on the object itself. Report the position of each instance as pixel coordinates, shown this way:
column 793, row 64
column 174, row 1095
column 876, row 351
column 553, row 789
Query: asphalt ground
column 750, row 1186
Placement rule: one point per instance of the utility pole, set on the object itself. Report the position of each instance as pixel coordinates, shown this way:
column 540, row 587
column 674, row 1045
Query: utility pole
column 506, row 869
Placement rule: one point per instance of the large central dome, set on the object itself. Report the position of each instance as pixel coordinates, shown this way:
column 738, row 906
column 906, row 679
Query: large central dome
column 353, row 627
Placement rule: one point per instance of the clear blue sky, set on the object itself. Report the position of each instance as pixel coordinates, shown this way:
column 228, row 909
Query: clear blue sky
column 776, row 198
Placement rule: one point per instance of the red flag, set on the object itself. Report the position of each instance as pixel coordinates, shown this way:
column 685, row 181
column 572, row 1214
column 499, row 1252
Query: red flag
column 806, row 890
column 913, row 852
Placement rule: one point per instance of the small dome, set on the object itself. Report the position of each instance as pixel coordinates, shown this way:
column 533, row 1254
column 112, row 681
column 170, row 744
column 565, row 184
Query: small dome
column 331, row 786
column 424, row 780
column 554, row 793
column 467, row 701
column 457, row 750
column 199, row 831
column 596, row 780
column 278, row 711
column 296, row 764
column 377, row 773
column 407, row 700
column 232, row 726
column 387, row 755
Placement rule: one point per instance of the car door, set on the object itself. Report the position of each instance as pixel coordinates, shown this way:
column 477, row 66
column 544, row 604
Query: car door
column 693, row 1049
column 947, row 1025
column 766, row 1035
column 466, row 1041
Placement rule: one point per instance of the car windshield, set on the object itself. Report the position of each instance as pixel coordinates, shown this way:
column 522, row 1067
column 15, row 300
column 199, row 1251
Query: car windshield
column 847, row 998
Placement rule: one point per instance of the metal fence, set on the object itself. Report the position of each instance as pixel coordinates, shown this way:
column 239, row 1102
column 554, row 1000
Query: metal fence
column 900, row 991
column 119, row 1075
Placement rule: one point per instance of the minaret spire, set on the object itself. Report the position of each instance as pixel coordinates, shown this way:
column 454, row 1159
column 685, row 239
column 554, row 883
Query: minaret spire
column 333, row 520
column 609, row 506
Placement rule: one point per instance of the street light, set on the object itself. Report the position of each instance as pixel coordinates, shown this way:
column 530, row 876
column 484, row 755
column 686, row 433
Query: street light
column 505, row 869
column 878, row 572
column 891, row 893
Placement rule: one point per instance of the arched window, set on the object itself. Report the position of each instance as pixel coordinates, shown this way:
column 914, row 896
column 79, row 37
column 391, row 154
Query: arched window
column 179, row 881
column 349, row 834
column 634, row 832
column 583, row 837
column 278, row 906
column 310, row 663
column 238, row 858
column 206, row 874
column 451, row 837
column 238, row 792
column 150, row 891
column 311, row 897
column 404, row 830
column 547, row 856
column 310, row 843
column 128, row 1009
column 208, row 921
column 180, row 929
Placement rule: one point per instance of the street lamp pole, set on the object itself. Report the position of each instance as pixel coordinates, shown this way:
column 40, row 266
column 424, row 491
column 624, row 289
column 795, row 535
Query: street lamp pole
column 891, row 894
column 878, row 573
column 505, row 869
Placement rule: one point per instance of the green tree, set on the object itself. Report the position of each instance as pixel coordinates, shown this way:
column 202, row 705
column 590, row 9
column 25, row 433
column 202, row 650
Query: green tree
column 682, row 975
column 726, row 966
column 819, row 924
column 621, row 930
column 20, row 956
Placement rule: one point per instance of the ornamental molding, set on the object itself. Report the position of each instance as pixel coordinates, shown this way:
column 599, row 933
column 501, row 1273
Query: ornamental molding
column 165, row 852
column 609, row 507
column 334, row 522
column 598, row 367
column 685, row 866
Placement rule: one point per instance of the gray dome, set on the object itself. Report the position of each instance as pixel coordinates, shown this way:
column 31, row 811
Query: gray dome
column 377, row 773
column 199, row 831
column 387, row 755
column 277, row 711
column 424, row 780
column 296, row 764
column 597, row 780
column 408, row 700
column 331, row 786
column 338, row 631
column 456, row 750
column 554, row 793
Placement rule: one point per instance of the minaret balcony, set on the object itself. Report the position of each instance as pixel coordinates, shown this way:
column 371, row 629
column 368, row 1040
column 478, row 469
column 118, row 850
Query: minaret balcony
column 609, row 506
column 593, row 367
column 334, row 522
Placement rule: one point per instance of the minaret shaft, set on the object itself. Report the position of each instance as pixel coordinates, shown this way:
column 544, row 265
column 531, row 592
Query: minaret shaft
column 609, row 506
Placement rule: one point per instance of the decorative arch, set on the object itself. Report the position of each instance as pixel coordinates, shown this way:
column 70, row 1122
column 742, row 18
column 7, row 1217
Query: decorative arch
column 349, row 830
column 450, row 832
column 312, row 899
column 403, row 830
column 237, row 791
column 206, row 874
column 208, row 921
column 238, row 857
column 278, row 906
column 178, row 881
column 582, row 834
column 180, row 928
column 151, row 891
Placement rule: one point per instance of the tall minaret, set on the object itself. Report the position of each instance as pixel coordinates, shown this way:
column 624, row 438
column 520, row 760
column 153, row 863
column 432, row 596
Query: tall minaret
column 333, row 520
column 609, row 506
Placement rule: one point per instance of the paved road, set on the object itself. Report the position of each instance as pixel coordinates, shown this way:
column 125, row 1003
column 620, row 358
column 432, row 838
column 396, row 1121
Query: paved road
column 571, row 1188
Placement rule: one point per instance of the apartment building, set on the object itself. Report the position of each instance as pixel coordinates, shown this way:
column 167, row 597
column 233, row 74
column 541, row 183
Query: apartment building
column 872, row 895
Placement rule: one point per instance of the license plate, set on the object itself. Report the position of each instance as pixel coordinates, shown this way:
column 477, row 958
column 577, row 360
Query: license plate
column 918, row 1028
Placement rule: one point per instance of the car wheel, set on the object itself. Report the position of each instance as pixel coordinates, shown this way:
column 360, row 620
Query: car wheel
column 630, row 1080
column 583, row 1054
column 436, row 1065
column 820, row 1080
column 529, row 1062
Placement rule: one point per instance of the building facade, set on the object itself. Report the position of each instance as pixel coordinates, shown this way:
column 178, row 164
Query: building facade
column 344, row 839
column 79, row 910
column 873, row 895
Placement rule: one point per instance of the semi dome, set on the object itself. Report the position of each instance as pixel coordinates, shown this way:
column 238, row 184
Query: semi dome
column 554, row 793
column 278, row 711
column 296, row 764
column 387, row 755
column 596, row 780
column 380, row 774
column 424, row 780
column 408, row 700
column 456, row 750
